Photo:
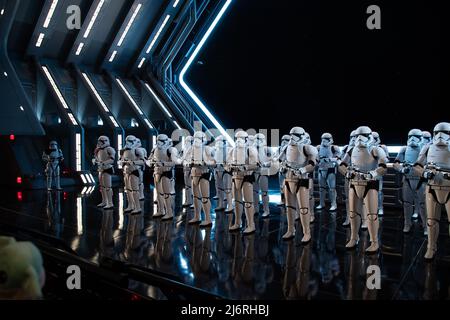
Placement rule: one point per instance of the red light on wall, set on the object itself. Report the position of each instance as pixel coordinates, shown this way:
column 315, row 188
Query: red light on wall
column 19, row 180
column 12, row 137
column 19, row 196
column 65, row 195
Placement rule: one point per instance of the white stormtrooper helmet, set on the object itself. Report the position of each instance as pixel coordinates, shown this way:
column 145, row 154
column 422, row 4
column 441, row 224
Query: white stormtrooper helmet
column 441, row 134
column 103, row 142
column 188, row 141
column 53, row 145
column 327, row 140
column 241, row 139
column 426, row 137
column 200, row 139
column 285, row 140
column 138, row 143
column 298, row 136
column 220, row 142
column 131, row 142
column 364, row 137
column 162, row 141
column 307, row 138
column 352, row 139
column 251, row 142
column 376, row 138
column 414, row 138
column 260, row 140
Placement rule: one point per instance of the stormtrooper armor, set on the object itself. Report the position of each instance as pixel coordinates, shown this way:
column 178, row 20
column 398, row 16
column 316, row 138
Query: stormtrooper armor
column 434, row 165
column 329, row 154
column 363, row 165
column 222, row 177
column 265, row 162
column 281, row 176
column 377, row 142
column 53, row 157
column 201, row 161
column 242, row 162
column 251, row 142
column 185, row 160
column 345, row 150
column 311, row 181
column 413, row 189
column 141, row 170
column 300, row 161
column 162, row 160
column 131, row 158
column 427, row 138
column 104, row 157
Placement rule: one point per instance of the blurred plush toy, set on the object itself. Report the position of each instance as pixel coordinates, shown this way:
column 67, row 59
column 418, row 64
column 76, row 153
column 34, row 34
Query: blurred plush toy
column 22, row 274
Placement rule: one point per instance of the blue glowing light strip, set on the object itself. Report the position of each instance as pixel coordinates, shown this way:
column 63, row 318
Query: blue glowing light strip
column 188, row 65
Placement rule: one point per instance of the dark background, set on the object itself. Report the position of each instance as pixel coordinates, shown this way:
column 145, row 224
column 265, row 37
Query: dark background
column 278, row 64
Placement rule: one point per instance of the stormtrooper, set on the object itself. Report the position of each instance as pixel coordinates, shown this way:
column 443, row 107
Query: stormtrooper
column 242, row 162
column 311, row 180
column 433, row 164
column 162, row 160
column 329, row 154
column 201, row 161
column 251, row 142
column 186, row 155
column 141, row 170
column 131, row 158
column 53, row 156
column 281, row 176
column 427, row 139
column 104, row 157
column 413, row 189
column 222, row 177
column 299, row 161
column 265, row 162
column 363, row 165
column 345, row 150
column 377, row 142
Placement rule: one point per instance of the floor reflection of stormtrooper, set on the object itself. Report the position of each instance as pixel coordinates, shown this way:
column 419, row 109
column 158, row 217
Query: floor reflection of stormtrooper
column 185, row 156
column 131, row 157
column 345, row 150
column 106, row 246
column 104, row 157
column 134, row 241
column 242, row 162
column 368, row 164
column 413, row 189
column 377, row 142
column 433, row 164
column 163, row 246
column 281, row 176
column 141, row 171
column 201, row 162
column 328, row 261
column 311, row 182
column 222, row 177
column 53, row 157
column 299, row 161
column 329, row 154
column 265, row 162
column 162, row 160
column 53, row 209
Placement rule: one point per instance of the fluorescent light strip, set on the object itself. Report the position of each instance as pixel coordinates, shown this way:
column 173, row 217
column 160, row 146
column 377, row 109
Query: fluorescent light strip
column 2, row 12
column 129, row 97
column 92, row 178
column 94, row 17
column 148, row 123
column 158, row 33
column 121, row 210
column 177, row 125
column 80, row 47
column 83, row 178
column 158, row 100
column 394, row 149
column 50, row 13
column 111, row 59
column 85, row 189
column 189, row 63
column 141, row 63
column 154, row 140
column 55, row 87
column 88, row 179
column 21, row 108
column 5, row 74
column 176, row 3
column 72, row 119
column 119, row 146
column 127, row 28
column 114, row 121
column 79, row 216
column 78, row 151
column 91, row 85
column 39, row 40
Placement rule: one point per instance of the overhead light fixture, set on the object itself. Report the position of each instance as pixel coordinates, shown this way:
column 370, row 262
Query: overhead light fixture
column 111, row 59
column 148, row 123
column 91, row 85
column 177, row 125
column 176, row 3
column 72, row 119
column 114, row 121
column 55, row 87
column 80, row 47
column 119, row 146
column 183, row 72
column 130, row 23
column 50, row 13
column 39, row 40
column 94, row 17
column 130, row 98
column 141, row 63
column 150, row 47
column 158, row 100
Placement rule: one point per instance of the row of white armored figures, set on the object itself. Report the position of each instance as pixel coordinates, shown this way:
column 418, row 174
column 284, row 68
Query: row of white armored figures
column 242, row 171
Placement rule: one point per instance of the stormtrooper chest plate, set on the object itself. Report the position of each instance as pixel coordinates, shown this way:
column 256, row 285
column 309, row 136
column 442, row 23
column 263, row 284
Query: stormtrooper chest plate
column 129, row 155
column 220, row 155
column 161, row 155
column 363, row 160
column 102, row 155
column 239, row 156
column 411, row 155
column 295, row 155
column 440, row 156
column 198, row 154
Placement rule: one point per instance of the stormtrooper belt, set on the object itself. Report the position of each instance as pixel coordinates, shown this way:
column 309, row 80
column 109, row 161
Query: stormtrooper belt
column 441, row 188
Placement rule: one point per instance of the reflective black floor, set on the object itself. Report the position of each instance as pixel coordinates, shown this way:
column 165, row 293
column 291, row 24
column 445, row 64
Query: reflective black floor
column 260, row 266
